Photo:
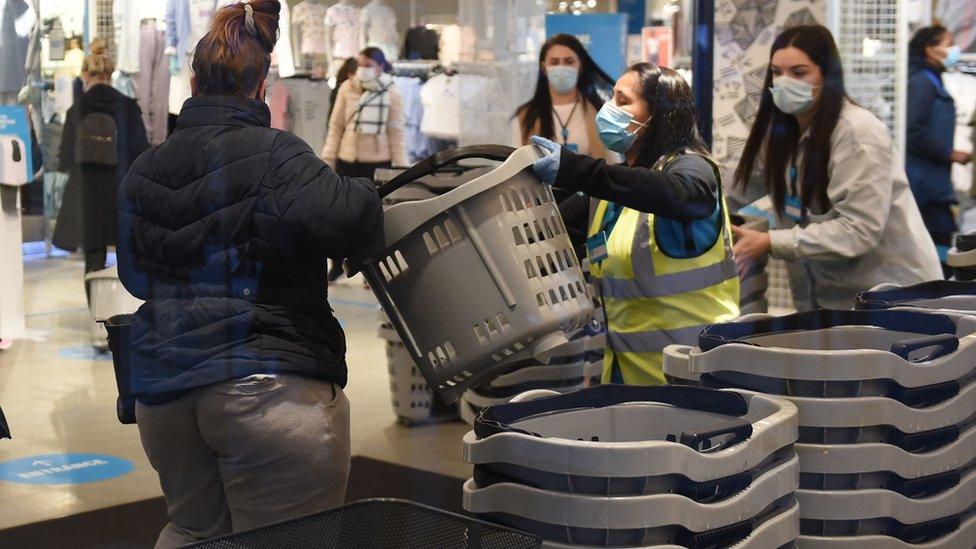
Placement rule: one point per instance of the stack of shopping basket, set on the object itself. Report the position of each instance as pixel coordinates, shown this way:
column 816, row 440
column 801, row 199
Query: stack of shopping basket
column 887, row 414
column 619, row 466
column 573, row 366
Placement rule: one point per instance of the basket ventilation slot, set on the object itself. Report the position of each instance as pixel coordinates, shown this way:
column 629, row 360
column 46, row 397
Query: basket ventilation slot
column 441, row 238
column 393, row 266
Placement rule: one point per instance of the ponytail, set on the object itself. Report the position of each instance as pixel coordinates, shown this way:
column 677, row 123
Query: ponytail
column 233, row 58
column 98, row 64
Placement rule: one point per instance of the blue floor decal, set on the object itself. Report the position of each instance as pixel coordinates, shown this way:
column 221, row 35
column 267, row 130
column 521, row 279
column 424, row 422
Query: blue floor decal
column 64, row 469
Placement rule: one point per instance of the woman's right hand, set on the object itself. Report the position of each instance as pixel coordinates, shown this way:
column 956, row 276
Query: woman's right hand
column 547, row 167
column 960, row 157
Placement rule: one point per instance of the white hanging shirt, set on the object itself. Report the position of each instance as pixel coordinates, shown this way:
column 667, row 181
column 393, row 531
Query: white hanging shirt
column 309, row 17
column 344, row 21
column 126, row 15
column 457, row 44
column 283, row 55
column 379, row 24
column 441, row 97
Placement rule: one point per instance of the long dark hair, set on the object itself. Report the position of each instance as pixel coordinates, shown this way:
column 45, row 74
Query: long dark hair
column 672, row 124
column 776, row 135
column 377, row 55
column 591, row 79
column 924, row 37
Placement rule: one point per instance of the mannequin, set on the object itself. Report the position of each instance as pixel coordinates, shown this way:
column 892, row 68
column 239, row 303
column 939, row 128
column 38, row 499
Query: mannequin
column 341, row 33
column 308, row 23
column 378, row 28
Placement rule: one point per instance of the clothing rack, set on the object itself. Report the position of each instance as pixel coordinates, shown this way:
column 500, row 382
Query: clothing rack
column 417, row 69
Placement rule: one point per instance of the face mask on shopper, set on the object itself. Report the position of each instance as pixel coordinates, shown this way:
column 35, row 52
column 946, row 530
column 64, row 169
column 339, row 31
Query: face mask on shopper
column 562, row 78
column 366, row 74
column 612, row 123
column 792, row 96
column 952, row 57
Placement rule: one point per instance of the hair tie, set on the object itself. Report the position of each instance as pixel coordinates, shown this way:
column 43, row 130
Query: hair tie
column 249, row 20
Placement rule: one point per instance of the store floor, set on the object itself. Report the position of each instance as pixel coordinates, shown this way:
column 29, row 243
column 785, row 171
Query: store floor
column 60, row 398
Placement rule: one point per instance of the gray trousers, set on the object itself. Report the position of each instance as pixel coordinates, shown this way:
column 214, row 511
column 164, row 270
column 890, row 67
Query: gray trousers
column 245, row 453
column 152, row 82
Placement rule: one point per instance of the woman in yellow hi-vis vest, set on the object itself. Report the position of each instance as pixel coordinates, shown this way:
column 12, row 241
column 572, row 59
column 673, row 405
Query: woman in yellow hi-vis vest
column 658, row 242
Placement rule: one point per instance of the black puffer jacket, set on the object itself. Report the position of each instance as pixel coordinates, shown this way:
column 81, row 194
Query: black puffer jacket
column 224, row 229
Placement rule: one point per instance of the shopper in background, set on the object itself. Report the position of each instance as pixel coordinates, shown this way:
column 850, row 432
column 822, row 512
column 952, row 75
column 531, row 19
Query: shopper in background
column 846, row 217
column 103, row 134
column 366, row 129
column 659, row 244
column 931, row 129
column 237, row 361
column 566, row 99
column 346, row 71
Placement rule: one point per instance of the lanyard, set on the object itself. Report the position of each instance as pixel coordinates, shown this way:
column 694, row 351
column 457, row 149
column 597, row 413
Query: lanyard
column 610, row 218
column 565, row 127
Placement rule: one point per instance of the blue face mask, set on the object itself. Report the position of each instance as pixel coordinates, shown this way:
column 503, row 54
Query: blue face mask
column 612, row 122
column 562, row 78
column 952, row 57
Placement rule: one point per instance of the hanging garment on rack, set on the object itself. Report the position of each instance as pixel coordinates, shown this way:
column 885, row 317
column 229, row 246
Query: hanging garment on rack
column 283, row 55
column 457, row 44
column 277, row 98
column 344, row 22
column 421, row 43
column 378, row 24
column 152, row 81
column 17, row 19
column 442, row 107
column 308, row 109
column 413, row 111
column 308, row 18
column 126, row 15
column 187, row 21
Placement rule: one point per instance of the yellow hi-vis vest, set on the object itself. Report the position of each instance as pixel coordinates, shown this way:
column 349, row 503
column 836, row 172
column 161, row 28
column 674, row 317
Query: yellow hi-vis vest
column 652, row 300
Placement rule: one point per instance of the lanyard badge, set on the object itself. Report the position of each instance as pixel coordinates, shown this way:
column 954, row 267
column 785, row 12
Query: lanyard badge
column 596, row 248
column 793, row 207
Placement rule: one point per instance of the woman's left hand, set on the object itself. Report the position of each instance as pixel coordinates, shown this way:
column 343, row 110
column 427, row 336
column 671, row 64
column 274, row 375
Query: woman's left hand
column 749, row 246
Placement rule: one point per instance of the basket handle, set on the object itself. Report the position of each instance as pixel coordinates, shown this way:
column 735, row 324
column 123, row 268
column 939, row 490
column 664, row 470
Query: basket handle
column 927, row 441
column 943, row 344
column 930, row 395
column 439, row 160
column 924, row 487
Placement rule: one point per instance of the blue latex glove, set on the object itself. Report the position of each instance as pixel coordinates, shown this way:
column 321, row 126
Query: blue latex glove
column 547, row 167
column 174, row 66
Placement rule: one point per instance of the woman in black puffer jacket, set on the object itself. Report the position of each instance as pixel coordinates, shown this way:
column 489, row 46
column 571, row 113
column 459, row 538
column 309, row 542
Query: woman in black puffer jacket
column 237, row 362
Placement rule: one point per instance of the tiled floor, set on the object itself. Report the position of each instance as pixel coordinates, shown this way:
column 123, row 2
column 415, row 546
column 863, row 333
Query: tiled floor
column 59, row 404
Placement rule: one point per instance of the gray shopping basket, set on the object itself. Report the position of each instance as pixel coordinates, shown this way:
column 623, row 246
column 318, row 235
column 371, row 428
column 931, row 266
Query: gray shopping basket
column 622, row 466
column 953, row 298
column 481, row 277
column 956, row 532
column 836, row 354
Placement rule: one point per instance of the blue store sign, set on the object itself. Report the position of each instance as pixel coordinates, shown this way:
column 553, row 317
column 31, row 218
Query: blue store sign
column 603, row 34
column 63, row 469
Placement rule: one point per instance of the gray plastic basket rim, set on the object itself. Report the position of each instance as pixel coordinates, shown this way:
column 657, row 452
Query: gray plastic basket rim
column 775, row 532
column 877, row 457
column 776, row 429
column 878, row 503
column 632, row 512
column 875, row 411
column 529, row 374
column 956, row 258
column 400, row 220
column 823, row 365
column 962, row 538
column 475, row 399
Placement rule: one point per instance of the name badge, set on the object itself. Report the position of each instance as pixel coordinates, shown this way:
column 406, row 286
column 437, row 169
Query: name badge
column 596, row 248
column 572, row 147
column 793, row 208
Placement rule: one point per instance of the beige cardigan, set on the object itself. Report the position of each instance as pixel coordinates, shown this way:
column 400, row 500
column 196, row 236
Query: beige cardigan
column 343, row 143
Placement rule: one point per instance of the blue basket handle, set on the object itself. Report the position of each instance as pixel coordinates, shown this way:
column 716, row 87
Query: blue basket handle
column 944, row 344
